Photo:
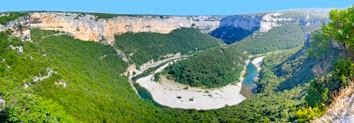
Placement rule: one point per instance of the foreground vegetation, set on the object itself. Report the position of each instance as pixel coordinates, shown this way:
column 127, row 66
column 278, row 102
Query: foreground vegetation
column 17, row 69
column 334, row 38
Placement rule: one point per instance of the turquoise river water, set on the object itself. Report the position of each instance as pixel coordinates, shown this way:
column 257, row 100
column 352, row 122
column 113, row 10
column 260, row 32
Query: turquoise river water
column 246, row 90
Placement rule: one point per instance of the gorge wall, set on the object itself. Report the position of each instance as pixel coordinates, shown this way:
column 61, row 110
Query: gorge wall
column 232, row 28
column 91, row 28
column 236, row 27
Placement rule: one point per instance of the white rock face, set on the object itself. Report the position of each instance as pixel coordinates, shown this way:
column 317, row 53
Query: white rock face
column 90, row 28
column 249, row 22
column 269, row 21
column 246, row 22
column 2, row 103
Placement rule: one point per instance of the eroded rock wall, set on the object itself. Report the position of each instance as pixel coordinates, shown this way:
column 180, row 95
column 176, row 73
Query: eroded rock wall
column 90, row 28
column 253, row 21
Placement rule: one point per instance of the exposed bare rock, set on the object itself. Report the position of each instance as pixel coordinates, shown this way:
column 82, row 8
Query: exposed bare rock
column 249, row 22
column 246, row 22
column 40, row 78
column 270, row 20
column 342, row 108
column 2, row 102
column 60, row 83
column 88, row 28
column 19, row 48
column 121, row 55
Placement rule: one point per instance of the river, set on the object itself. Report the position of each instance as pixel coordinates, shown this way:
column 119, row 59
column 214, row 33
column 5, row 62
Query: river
column 246, row 89
column 248, row 82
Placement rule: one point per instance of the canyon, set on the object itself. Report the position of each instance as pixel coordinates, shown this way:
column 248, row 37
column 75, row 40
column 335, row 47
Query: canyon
column 89, row 27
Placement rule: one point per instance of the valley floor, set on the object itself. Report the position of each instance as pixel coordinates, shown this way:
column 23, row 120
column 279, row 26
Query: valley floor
column 177, row 95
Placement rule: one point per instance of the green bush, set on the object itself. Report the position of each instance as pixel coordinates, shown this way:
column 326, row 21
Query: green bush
column 306, row 114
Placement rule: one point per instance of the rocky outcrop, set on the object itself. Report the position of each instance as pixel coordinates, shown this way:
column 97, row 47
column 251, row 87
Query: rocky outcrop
column 236, row 27
column 341, row 110
column 271, row 20
column 19, row 48
column 2, row 103
column 20, row 28
column 246, row 22
column 91, row 28
column 40, row 78
column 307, row 36
column 264, row 22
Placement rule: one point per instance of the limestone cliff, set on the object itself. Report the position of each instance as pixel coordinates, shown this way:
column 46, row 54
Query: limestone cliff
column 91, row 28
column 236, row 27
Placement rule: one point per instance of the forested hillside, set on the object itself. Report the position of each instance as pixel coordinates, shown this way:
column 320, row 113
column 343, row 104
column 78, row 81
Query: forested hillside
column 334, row 40
column 284, row 37
column 212, row 68
column 146, row 46
column 192, row 71
column 57, row 78
column 95, row 91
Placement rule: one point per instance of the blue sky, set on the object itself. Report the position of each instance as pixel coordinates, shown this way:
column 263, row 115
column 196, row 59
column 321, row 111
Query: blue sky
column 171, row 7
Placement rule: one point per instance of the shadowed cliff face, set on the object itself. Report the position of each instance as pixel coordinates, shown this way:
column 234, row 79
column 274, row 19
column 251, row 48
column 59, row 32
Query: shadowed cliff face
column 231, row 34
column 237, row 27
column 91, row 28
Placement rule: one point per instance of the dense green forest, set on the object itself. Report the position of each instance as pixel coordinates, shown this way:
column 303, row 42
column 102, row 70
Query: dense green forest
column 17, row 69
column 95, row 91
column 212, row 68
column 147, row 46
column 279, row 38
column 291, row 84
